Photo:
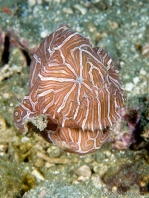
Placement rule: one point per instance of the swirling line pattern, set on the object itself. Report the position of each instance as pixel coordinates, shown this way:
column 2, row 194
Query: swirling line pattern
column 77, row 87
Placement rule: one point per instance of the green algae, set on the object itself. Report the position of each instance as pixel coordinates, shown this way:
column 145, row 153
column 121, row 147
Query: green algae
column 15, row 178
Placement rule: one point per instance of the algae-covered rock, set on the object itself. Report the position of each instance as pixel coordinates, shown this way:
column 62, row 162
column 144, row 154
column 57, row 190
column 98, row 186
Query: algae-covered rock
column 15, row 179
column 58, row 189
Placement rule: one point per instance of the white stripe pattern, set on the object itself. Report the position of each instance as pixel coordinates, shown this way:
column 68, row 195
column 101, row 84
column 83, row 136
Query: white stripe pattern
column 77, row 87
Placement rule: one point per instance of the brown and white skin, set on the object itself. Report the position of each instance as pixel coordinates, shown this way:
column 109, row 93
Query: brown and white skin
column 77, row 87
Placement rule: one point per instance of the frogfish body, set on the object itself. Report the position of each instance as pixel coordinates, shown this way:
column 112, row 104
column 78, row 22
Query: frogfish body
column 74, row 93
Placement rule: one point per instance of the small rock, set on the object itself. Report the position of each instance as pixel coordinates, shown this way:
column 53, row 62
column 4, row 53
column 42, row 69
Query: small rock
column 48, row 165
column 108, row 153
column 53, row 151
column 25, row 139
column 96, row 181
column 2, row 124
column 129, row 86
column 143, row 72
column 3, row 149
column 82, row 178
column 83, row 171
column 68, row 10
column 37, row 175
column 44, row 33
column 39, row 163
column 39, row 2
column 113, row 24
column 145, row 50
column 7, row 95
column 31, row 3
column 136, row 80
column 82, row 9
